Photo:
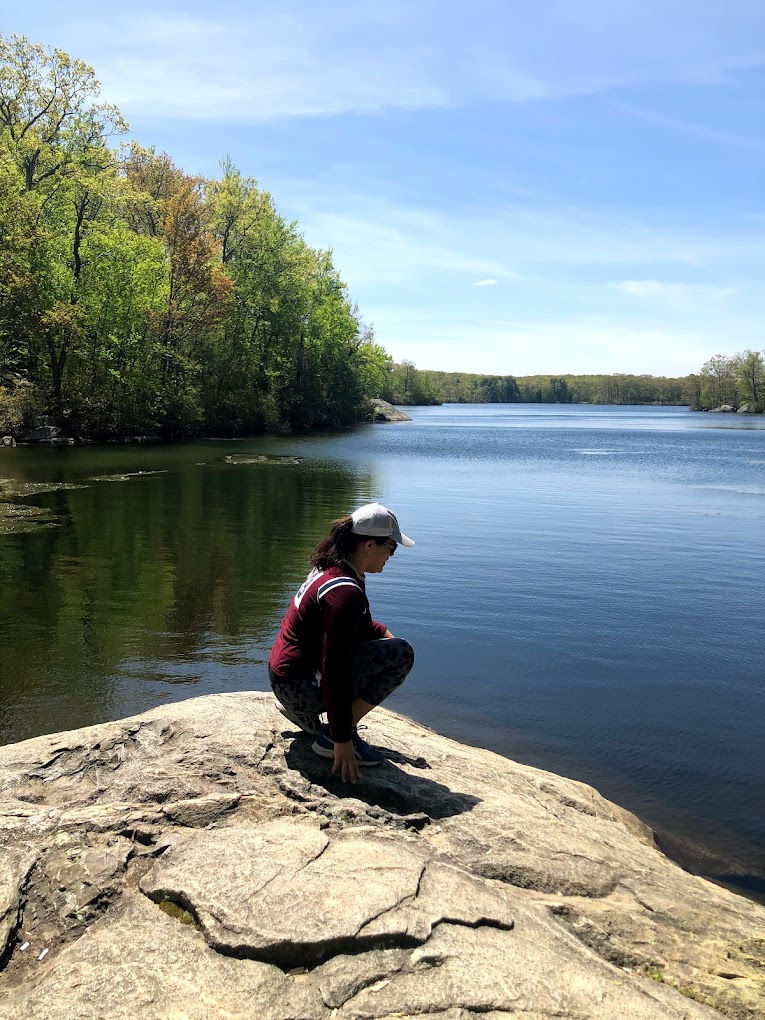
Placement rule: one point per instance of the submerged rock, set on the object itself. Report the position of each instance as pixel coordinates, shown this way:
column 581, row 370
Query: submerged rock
column 451, row 882
column 382, row 411
column 16, row 516
column 126, row 475
column 263, row 458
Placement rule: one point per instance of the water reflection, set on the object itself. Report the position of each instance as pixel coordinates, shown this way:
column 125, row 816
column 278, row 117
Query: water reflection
column 146, row 586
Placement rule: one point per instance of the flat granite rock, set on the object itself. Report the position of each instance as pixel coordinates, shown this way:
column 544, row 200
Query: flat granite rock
column 199, row 861
column 365, row 887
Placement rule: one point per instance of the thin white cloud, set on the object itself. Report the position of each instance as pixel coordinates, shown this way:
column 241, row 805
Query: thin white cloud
column 255, row 69
column 303, row 59
column 676, row 124
column 683, row 291
column 484, row 283
column 377, row 241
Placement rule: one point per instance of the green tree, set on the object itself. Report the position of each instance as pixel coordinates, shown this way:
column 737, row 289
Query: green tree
column 719, row 374
column 54, row 135
column 751, row 371
column 51, row 124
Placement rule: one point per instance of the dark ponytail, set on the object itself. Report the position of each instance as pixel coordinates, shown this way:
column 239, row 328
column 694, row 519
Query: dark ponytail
column 339, row 544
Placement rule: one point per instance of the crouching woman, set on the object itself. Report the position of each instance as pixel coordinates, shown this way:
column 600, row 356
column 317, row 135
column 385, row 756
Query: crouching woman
column 330, row 655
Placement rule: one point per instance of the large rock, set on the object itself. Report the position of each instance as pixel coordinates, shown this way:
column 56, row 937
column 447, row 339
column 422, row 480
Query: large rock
column 42, row 434
column 199, row 861
column 382, row 411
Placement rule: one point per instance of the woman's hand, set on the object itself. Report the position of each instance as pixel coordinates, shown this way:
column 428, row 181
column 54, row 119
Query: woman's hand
column 346, row 765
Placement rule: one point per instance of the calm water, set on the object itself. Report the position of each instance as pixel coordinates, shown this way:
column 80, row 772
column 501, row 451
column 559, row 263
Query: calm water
column 585, row 594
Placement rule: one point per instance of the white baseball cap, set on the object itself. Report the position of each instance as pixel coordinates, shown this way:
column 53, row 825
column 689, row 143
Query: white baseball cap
column 376, row 521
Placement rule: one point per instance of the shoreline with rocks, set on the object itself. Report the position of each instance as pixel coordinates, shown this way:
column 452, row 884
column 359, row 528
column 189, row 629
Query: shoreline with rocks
column 44, row 431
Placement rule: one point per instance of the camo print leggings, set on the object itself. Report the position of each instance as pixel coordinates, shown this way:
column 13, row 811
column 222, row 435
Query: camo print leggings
column 379, row 668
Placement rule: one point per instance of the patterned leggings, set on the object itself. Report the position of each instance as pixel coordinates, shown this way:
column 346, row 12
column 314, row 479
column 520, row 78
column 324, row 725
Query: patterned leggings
column 379, row 668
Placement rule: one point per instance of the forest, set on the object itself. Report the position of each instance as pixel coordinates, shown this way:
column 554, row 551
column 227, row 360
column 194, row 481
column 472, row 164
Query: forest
column 734, row 380
column 409, row 385
column 135, row 297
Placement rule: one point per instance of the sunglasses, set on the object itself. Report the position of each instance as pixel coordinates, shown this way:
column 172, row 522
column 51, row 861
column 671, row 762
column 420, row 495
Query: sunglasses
column 390, row 546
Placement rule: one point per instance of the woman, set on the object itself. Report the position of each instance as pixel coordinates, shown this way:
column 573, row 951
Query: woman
column 330, row 655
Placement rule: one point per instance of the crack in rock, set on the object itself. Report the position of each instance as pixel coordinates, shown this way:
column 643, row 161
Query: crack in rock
column 12, row 937
column 317, row 896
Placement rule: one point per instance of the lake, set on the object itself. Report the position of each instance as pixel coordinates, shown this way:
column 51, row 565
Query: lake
column 585, row 594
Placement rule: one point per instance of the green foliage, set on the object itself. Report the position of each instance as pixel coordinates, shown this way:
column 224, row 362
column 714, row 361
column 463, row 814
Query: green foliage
column 135, row 297
column 603, row 389
column 19, row 403
column 729, row 379
column 407, row 385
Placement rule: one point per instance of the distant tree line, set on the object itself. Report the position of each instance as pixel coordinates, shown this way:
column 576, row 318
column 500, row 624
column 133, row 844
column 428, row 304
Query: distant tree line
column 408, row 385
column 735, row 380
column 136, row 297
column 618, row 388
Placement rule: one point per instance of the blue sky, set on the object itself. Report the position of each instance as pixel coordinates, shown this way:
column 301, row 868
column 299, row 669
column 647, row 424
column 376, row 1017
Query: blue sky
column 520, row 187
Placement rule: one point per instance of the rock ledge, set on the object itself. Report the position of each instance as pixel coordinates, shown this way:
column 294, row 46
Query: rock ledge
column 452, row 882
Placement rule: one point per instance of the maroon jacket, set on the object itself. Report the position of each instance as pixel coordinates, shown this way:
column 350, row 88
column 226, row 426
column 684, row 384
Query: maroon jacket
column 325, row 624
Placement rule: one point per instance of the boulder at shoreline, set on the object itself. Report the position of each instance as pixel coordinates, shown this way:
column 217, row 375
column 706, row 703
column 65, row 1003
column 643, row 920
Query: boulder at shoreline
column 199, row 861
column 382, row 411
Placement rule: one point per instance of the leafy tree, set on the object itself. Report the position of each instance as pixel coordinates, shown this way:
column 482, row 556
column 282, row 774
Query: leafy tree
column 751, row 370
column 559, row 391
column 54, row 135
column 719, row 374
column 237, row 210
column 695, row 391
column 410, row 386
column 51, row 125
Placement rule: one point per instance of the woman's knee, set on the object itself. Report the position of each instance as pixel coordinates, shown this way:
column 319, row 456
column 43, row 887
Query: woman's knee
column 383, row 666
column 399, row 648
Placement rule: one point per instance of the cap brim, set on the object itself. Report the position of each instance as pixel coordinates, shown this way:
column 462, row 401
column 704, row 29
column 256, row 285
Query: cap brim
column 406, row 541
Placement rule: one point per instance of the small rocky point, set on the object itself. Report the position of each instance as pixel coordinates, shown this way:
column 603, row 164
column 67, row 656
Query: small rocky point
column 200, row 862
column 382, row 411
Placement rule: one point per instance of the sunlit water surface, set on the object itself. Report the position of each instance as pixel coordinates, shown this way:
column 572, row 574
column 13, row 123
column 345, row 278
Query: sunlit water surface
column 585, row 594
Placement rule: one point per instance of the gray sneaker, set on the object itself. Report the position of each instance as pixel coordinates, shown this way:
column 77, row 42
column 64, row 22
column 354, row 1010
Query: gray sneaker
column 366, row 755
column 308, row 723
